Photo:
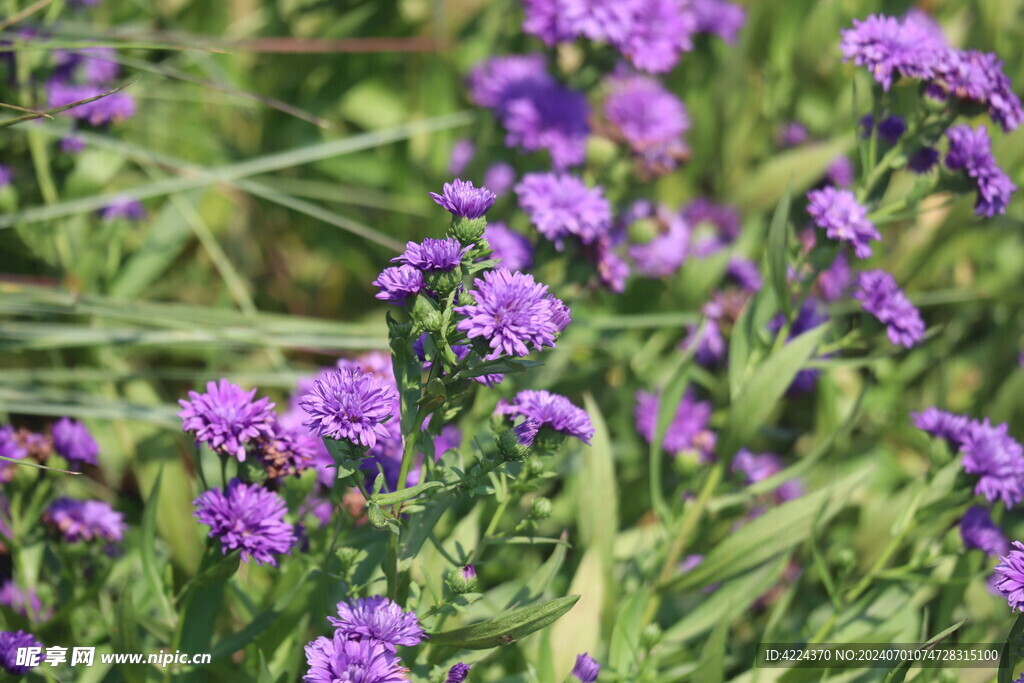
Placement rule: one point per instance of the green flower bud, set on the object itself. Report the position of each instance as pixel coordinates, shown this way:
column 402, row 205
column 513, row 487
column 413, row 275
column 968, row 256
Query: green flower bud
column 541, row 508
column 462, row 580
column 650, row 636
column 510, row 448
column 425, row 314
column 467, row 230
column 376, row 515
column 444, row 282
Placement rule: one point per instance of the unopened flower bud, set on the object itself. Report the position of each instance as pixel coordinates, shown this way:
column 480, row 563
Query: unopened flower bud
column 462, row 580
column 376, row 516
column 444, row 282
column 650, row 636
column 541, row 508
column 467, row 230
column 509, row 446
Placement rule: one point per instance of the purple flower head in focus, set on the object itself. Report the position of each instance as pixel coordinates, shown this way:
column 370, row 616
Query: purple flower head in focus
column 350, row 404
column 85, row 520
column 881, row 297
column 997, row 459
column 509, row 246
column 1010, row 577
column 512, row 313
column 433, row 255
column 978, row 77
column 397, row 283
column 560, row 205
column 838, row 213
column 380, row 619
column 10, row 643
column 544, row 409
column 719, row 18
column 339, row 659
column 249, row 518
column 73, row 441
column 970, row 150
column 460, row 198
column 979, row 531
column 688, row 429
column 889, row 48
column 458, row 673
column 586, row 668
column 226, row 418
column 660, row 32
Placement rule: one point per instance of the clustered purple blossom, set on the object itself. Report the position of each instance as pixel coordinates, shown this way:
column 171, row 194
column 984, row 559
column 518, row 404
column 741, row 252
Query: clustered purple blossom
column 561, row 206
column 248, row 518
column 649, row 118
column 842, row 218
column 72, row 440
column 461, row 199
column 458, row 673
column 545, row 410
column 226, row 418
column 85, row 520
column 10, row 643
column 433, row 255
column 378, row 618
column 350, row 404
column 586, row 669
column 689, row 429
column 1010, row 577
column 881, row 297
column 970, row 150
column 398, row 283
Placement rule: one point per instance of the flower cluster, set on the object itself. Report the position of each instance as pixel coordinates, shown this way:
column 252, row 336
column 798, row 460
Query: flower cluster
column 545, row 414
column 881, row 297
column 687, row 432
column 248, row 518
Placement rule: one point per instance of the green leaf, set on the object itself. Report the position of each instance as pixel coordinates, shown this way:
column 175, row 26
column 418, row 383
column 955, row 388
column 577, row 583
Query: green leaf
column 507, row 628
column 668, row 401
column 899, row 672
column 539, row 581
column 625, row 641
column 712, row 658
column 761, row 394
column 1012, row 651
column 405, row 494
column 796, row 169
column 126, row 637
column 598, row 503
column 778, row 237
column 147, row 551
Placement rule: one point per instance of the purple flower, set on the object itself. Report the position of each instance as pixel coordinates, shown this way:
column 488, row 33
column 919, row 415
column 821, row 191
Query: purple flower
column 462, row 154
column 1010, row 581
column 458, row 673
column 249, row 518
column 378, row 618
column 547, row 20
column 881, row 297
column 666, row 251
column 554, row 21
column 714, row 225
column 289, row 450
column 500, row 178
column 513, row 249
column 939, row 423
column 552, row 118
column 998, row 460
column 842, row 218
column 397, row 283
column 891, row 47
column 758, row 467
column 560, row 205
column 350, row 404
column 460, row 198
column 891, row 129
column 711, row 348
column 612, row 269
column 72, row 440
column 433, row 255
column 498, row 81
column 978, row 77
column 970, row 150
column 791, row 134
column 10, row 643
column 226, row 418
column 544, row 409
column 9, row 448
column 85, row 520
column 586, row 669
column 659, row 33
column 22, row 602
column 979, row 531
column 72, row 145
column 96, row 65
column 110, row 109
column 923, row 160
column 6, row 176
column 650, row 118
column 720, row 18
column 688, row 429
column 840, row 172
column 513, row 313
column 836, row 279
column 339, row 659
column 123, row 207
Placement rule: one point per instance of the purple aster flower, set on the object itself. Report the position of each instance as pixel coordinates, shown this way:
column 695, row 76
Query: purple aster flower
column 350, row 404
column 660, row 32
column 397, row 283
column 650, row 119
column 842, row 218
column 881, row 297
column 10, row 643
column 513, row 313
column 665, row 252
column 720, row 18
column 72, row 440
column 998, row 460
column 612, row 269
column 792, row 134
column 923, row 160
column 552, row 118
column 586, row 669
column 891, row 129
column 711, row 348
column 498, row 81
column 560, row 205
column 978, row 77
column 840, row 172
column 606, row 21
column 96, row 65
column 378, row 618
column 85, row 520
column 758, row 467
column 433, row 255
column 547, row 20
column 970, row 150
column 744, row 273
column 226, row 418
column 458, row 673
column 462, row 154
column 688, row 429
column 513, row 249
column 979, row 531
column 9, row 448
column 1010, row 581
column 123, row 207
column 543, row 409
column 939, row 423
column 339, row 659
column 6, row 176
column 249, row 518
column 834, row 281
column 890, row 47
column 460, row 198
column 110, row 109
column 290, row 449
column 500, row 178
column 714, row 225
